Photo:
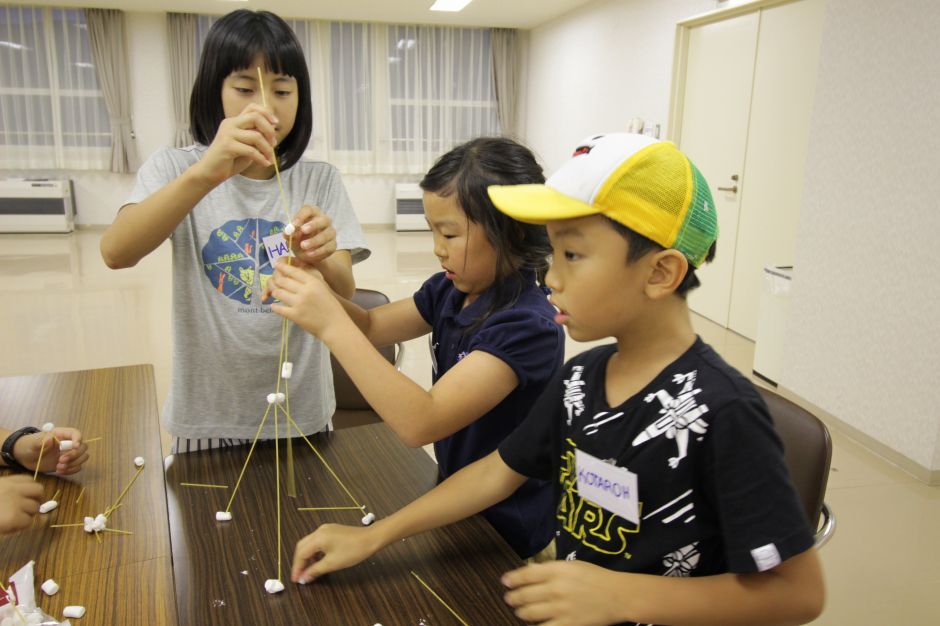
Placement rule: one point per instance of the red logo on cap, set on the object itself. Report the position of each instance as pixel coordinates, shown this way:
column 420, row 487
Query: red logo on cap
column 582, row 150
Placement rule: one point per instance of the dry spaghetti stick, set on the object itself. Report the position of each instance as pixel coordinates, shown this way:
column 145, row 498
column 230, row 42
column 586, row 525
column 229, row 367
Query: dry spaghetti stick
column 446, row 606
column 79, row 498
column 113, row 507
column 245, row 466
column 56, row 496
column 202, row 485
column 94, row 440
column 120, row 532
column 42, row 447
column 65, row 525
column 327, row 465
column 332, row 508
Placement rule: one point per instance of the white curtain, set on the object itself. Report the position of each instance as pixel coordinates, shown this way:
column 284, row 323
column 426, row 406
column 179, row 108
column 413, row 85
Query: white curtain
column 52, row 112
column 390, row 99
column 106, row 34
column 505, row 77
column 184, row 60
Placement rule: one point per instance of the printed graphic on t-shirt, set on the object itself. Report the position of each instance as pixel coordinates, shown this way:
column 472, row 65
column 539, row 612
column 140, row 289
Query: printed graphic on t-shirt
column 682, row 562
column 574, row 393
column 680, row 414
column 235, row 260
column 592, row 525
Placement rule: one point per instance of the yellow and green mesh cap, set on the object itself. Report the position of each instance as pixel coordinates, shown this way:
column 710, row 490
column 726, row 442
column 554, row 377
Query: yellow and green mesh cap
column 647, row 185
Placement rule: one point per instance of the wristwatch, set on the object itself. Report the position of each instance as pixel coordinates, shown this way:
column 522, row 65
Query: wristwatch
column 7, row 451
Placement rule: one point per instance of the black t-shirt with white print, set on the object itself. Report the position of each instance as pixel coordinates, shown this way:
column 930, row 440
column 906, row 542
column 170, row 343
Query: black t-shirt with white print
column 714, row 493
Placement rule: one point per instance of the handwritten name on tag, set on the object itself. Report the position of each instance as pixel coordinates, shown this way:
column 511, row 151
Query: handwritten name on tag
column 608, row 486
column 276, row 246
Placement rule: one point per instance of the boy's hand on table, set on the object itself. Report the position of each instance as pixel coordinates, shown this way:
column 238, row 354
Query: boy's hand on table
column 21, row 497
column 26, row 451
column 332, row 547
column 564, row 593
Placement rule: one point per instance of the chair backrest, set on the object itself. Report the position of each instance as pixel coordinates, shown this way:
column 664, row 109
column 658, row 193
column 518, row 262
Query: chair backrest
column 807, row 449
column 348, row 397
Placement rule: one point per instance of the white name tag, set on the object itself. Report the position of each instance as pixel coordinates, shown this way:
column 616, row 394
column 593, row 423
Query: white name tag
column 608, row 486
column 276, row 246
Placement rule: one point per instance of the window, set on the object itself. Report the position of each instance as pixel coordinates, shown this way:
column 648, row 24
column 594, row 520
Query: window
column 390, row 99
column 52, row 113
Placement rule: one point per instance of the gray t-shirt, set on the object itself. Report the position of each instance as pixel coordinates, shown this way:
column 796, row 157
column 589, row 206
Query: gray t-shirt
column 226, row 342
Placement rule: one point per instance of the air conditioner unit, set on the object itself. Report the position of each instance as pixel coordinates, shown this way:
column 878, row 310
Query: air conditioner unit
column 36, row 206
column 409, row 210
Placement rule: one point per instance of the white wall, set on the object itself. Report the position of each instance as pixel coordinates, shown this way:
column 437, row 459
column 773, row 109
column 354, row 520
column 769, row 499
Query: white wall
column 864, row 338
column 593, row 69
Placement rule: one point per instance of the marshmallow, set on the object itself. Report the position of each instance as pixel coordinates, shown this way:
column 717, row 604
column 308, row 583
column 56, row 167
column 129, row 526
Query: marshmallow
column 280, row 398
column 73, row 611
column 99, row 523
column 223, row 516
column 272, row 585
column 168, row 461
column 289, row 230
column 50, row 587
column 89, row 524
column 272, row 398
column 286, row 369
column 47, row 427
column 368, row 519
column 139, row 461
column 45, row 507
column 65, row 445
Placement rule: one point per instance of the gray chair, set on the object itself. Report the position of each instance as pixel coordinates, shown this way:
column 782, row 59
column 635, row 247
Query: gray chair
column 807, row 449
column 351, row 408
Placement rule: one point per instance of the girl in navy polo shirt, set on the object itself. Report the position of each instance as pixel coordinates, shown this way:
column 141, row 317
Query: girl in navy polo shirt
column 494, row 342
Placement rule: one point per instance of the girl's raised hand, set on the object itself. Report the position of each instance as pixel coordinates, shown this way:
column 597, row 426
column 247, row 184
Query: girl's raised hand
column 305, row 298
column 314, row 237
column 247, row 138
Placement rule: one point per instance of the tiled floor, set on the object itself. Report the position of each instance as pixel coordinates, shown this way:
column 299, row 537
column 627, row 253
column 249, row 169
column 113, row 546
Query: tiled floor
column 63, row 310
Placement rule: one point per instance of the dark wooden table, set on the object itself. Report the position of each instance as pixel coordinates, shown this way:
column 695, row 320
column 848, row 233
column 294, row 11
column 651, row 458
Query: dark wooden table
column 221, row 567
column 124, row 579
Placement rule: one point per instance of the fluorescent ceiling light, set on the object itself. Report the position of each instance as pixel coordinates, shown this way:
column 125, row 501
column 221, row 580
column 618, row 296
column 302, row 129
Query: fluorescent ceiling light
column 449, row 5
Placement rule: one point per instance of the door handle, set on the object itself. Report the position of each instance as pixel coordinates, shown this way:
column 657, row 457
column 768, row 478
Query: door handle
column 734, row 189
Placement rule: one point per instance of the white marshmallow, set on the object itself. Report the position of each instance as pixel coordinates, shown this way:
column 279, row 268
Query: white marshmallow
column 47, row 427
column 50, row 587
column 89, row 524
column 287, row 368
column 139, row 461
column 272, row 398
column 368, row 519
column 223, row 516
column 168, row 461
column 45, row 507
column 272, row 585
column 100, row 523
column 73, row 611
column 65, row 445
column 289, row 230
column 281, row 398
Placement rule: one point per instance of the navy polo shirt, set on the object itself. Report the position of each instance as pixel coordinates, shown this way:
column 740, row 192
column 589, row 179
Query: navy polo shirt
column 525, row 337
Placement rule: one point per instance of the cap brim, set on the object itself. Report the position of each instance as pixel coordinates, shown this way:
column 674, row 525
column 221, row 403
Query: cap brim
column 537, row 204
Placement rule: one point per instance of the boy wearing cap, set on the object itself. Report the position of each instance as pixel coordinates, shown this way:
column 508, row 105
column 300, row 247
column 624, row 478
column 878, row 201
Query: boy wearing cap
column 674, row 505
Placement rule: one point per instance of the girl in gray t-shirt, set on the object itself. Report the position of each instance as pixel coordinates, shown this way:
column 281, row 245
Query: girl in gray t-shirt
column 219, row 203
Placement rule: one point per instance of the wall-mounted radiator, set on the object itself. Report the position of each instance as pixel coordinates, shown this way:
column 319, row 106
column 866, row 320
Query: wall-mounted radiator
column 409, row 210
column 36, row 206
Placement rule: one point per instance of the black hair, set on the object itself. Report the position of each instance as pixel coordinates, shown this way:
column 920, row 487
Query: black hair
column 231, row 45
column 466, row 172
column 639, row 246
